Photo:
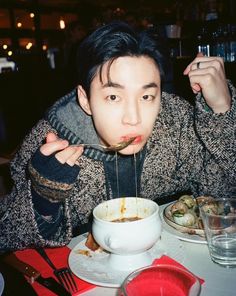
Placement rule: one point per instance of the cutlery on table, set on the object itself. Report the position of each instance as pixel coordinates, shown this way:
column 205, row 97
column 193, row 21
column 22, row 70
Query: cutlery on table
column 34, row 275
column 115, row 148
column 15, row 282
column 64, row 275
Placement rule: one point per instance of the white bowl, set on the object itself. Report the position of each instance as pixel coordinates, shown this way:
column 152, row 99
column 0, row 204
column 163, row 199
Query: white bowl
column 129, row 241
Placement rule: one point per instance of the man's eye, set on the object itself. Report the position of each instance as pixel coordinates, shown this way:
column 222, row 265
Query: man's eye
column 148, row 97
column 113, row 97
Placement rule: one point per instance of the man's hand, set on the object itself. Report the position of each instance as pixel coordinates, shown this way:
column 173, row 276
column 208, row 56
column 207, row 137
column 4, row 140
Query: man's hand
column 207, row 75
column 63, row 152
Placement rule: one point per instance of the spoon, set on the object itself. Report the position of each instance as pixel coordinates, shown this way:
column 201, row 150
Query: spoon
column 116, row 147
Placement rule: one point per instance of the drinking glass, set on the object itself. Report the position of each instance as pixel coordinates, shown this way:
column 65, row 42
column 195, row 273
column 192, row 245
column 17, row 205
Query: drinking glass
column 161, row 280
column 219, row 220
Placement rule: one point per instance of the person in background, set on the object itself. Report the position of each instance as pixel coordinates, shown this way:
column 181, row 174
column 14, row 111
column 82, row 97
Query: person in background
column 177, row 147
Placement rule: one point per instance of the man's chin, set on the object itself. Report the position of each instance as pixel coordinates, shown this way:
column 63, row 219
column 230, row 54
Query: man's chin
column 131, row 149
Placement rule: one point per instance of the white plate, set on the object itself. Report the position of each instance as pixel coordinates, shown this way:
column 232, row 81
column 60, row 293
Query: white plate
column 1, row 284
column 192, row 238
column 95, row 269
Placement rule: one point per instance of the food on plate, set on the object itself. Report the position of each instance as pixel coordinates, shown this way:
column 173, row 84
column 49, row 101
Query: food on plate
column 83, row 252
column 203, row 198
column 211, row 208
column 188, row 219
column 185, row 211
column 188, row 200
column 92, row 244
column 179, row 208
column 184, row 215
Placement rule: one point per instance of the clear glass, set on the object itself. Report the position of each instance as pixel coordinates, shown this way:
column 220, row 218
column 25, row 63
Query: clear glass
column 161, row 280
column 219, row 220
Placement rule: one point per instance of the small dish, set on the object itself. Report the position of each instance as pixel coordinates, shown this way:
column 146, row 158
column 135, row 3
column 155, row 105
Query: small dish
column 161, row 279
column 191, row 238
column 190, row 230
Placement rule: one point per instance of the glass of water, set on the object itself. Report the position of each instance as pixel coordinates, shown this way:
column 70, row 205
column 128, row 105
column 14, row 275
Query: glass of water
column 219, row 220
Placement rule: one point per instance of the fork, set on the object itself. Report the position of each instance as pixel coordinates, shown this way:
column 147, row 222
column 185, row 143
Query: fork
column 64, row 274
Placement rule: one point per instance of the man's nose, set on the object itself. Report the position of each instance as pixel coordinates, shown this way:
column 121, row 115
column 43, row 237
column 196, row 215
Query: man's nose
column 131, row 113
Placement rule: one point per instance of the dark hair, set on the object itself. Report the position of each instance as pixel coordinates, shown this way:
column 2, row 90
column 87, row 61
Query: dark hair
column 109, row 42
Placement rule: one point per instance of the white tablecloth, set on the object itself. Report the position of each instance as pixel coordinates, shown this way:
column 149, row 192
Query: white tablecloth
column 219, row 281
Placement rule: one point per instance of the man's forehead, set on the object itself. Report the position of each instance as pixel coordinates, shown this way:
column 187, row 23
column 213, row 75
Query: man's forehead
column 107, row 72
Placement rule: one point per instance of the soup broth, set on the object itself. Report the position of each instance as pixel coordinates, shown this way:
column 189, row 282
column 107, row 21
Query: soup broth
column 126, row 219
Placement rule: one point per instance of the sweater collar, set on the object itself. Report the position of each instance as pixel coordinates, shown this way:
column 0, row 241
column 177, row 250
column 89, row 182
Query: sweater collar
column 74, row 125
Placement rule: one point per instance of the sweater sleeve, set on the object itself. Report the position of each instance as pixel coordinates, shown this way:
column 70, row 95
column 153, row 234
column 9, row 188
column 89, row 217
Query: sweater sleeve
column 19, row 225
column 217, row 131
column 50, row 178
column 51, row 182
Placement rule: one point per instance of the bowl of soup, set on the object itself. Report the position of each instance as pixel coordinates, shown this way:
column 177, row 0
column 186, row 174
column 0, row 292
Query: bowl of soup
column 127, row 228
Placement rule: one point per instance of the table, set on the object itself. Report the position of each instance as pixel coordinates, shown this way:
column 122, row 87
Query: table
column 219, row 281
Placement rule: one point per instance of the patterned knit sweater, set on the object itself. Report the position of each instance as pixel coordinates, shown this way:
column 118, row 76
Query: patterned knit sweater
column 190, row 148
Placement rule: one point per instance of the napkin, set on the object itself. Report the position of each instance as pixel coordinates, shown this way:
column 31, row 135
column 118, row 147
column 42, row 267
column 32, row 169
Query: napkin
column 59, row 257
column 164, row 283
column 167, row 260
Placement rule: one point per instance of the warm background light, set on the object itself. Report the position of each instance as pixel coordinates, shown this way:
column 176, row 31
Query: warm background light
column 62, row 24
column 29, row 45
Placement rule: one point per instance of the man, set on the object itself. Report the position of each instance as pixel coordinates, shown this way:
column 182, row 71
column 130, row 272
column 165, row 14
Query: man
column 176, row 148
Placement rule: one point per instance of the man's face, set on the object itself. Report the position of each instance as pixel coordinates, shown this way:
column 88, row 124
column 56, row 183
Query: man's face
column 128, row 103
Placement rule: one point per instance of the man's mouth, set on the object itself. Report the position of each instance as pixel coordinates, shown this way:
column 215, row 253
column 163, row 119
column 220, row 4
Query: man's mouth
column 137, row 140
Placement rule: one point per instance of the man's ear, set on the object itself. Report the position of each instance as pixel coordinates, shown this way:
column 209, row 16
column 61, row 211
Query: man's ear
column 83, row 100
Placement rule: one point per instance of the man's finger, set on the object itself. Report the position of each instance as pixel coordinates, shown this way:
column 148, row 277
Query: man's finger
column 51, row 137
column 75, row 156
column 196, row 88
column 52, row 147
column 69, row 155
column 200, row 54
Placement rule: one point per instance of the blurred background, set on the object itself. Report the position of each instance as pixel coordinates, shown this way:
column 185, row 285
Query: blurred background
column 39, row 38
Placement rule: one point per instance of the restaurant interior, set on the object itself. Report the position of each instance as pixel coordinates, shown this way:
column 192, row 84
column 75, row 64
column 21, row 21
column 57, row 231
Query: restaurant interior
column 38, row 41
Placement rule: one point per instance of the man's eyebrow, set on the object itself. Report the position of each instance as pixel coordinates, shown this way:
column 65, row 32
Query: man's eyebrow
column 150, row 85
column 112, row 84
column 117, row 85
